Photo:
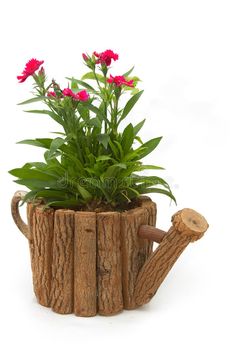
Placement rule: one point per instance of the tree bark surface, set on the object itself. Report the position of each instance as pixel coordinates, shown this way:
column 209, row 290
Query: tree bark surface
column 188, row 226
column 40, row 224
column 62, row 293
column 135, row 251
column 85, row 284
column 109, row 281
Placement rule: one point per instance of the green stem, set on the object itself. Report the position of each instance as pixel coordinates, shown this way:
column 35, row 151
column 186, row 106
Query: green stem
column 105, row 103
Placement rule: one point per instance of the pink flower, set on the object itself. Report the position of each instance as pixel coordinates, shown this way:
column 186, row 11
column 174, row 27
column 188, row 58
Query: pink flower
column 85, row 57
column 51, row 94
column 79, row 96
column 120, row 80
column 68, row 92
column 106, row 57
column 30, row 68
column 82, row 95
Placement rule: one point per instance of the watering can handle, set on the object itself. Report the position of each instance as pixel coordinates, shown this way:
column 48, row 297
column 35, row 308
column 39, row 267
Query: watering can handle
column 22, row 226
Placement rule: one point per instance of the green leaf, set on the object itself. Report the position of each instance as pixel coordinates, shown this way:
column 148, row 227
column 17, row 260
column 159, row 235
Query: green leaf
column 90, row 76
column 149, row 167
column 134, row 155
column 95, row 122
column 97, row 111
column 150, row 180
column 112, row 170
column 40, row 142
column 128, row 72
column 103, row 139
column 120, row 149
column 32, row 100
column 70, row 203
column 53, row 115
column 50, row 193
column 127, row 138
column 31, row 142
column 38, row 165
column 114, row 149
column 103, row 158
column 149, row 146
column 84, row 193
column 55, row 144
column 82, row 83
column 26, row 173
column 29, row 196
column 160, row 191
column 138, row 127
column 38, row 184
column 130, row 104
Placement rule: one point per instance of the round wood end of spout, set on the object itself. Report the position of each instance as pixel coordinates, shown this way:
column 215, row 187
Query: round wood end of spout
column 190, row 223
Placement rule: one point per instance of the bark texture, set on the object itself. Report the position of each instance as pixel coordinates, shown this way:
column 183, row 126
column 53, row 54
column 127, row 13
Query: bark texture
column 188, row 226
column 63, row 262
column 17, row 198
column 85, row 284
column 152, row 213
column 109, row 280
column 40, row 223
column 135, row 251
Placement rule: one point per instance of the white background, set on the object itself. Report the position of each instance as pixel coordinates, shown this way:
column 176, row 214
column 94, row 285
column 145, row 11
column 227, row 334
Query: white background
column 184, row 51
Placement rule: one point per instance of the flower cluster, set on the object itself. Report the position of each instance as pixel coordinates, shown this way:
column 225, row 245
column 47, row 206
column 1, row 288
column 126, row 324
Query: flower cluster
column 94, row 161
column 33, row 65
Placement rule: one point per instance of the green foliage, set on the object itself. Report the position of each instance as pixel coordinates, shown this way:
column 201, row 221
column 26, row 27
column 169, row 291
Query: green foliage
column 91, row 160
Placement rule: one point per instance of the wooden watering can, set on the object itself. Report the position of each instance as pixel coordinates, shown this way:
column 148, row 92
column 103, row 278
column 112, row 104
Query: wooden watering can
column 90, row 263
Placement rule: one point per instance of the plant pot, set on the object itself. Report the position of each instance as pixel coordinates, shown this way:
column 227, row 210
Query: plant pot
column 90, row 263
column 86, row 262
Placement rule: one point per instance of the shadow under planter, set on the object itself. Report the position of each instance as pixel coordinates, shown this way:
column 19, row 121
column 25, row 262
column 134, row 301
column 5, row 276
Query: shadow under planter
column 90, row 263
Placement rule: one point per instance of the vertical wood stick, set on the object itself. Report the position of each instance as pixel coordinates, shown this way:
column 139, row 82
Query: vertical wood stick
column 152, row 213
column 134, row 251
column 40, row 223
column 109, row 263
column 188, row 226
column 85, row 291
column 63, row 262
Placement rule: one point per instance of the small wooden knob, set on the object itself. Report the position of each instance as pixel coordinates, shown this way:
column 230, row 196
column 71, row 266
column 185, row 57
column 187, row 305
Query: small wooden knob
column 151, row 233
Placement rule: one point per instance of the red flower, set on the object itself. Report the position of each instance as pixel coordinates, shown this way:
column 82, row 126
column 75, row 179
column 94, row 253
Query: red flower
column 82, row 95
column 120, row 80
column 79, row 96
column 68, row 92
column 30, row 69
column 106, row 57
column 51, row 94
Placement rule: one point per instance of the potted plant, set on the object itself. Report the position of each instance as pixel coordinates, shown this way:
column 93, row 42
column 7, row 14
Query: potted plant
column 86, row 200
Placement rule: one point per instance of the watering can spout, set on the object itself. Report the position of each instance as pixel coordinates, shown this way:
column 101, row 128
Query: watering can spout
column 187, row 226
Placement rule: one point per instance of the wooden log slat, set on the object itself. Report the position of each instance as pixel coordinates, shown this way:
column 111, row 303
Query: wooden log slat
column 40, row 224
column 85, row 284
column 152, row 213
column 109, row 272
column 63, row 262
column 134, row 251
